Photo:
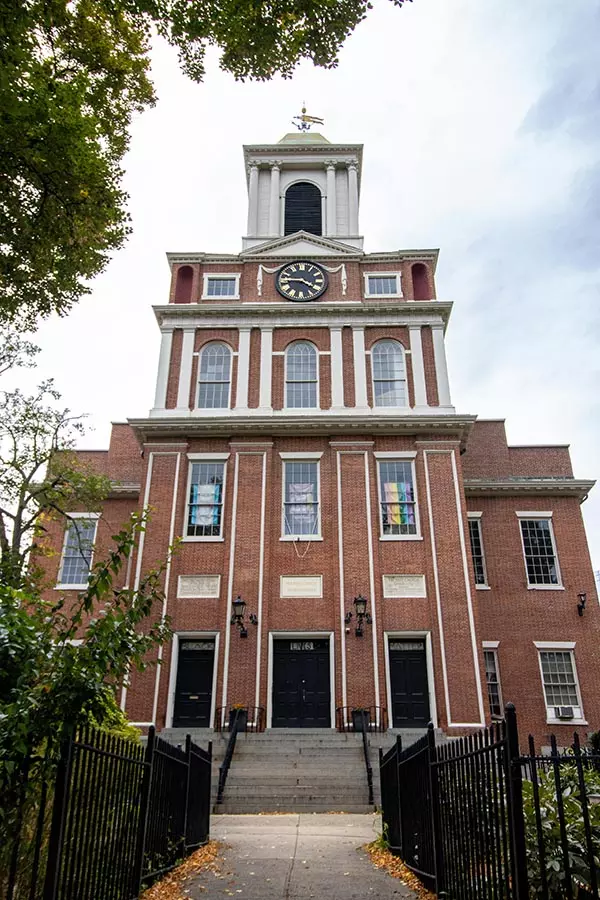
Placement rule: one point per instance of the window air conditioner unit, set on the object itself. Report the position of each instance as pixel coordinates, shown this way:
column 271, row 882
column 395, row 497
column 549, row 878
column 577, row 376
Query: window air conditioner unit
column 564, row 712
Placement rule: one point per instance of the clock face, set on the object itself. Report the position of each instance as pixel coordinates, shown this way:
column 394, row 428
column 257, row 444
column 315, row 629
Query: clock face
column 300, row 281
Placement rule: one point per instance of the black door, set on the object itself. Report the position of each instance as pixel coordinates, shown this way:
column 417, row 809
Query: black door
column 301, row 690
column 193, row 693
column 408, row 675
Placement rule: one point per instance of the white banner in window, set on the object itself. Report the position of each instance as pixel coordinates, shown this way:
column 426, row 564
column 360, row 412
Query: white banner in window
column 203, row 586
column 403, row 586
column 301, row 586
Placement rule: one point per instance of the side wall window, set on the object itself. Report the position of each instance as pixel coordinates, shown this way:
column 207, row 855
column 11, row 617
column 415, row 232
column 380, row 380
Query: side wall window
column 205, row 500
column 560, row 684
column 477, row 553
column 215, row 376
column 301, row 516
column 301, row 376
column 397, row 496
column 541, row 562
column 389, row 374
column 78, row 551
column 303, row 211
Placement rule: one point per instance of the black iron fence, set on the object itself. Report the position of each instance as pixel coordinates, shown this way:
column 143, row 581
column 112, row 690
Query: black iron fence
column 354, row 718
column 114, row 815
column 475, row 818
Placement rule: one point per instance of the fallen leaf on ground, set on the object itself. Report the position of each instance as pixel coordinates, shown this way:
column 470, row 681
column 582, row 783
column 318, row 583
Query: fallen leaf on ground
column 173, row 885
column 383, row 859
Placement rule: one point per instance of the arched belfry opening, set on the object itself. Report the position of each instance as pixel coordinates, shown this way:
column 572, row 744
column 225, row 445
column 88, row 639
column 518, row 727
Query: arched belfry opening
column 303, row 210
column 420, row 280
column 183, row 284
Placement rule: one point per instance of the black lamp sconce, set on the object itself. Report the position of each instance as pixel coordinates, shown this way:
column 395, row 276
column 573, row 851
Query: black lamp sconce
column 362, row 616
column 237, row 618
column 581, row 600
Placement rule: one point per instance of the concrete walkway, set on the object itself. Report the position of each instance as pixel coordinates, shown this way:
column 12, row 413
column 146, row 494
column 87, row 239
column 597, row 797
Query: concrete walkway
column 296, row 857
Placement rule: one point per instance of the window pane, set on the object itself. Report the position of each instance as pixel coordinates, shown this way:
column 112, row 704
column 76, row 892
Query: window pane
column 477, row 551
column 398, row 507
column 559, row 678
column 379, row 284
column 215, row 376
column 301, row 376
column 389, row 374
column 301, row 499
column 77, row 556
column 493, row 683
column 539, row 552
column 221, row 287
column 205, row 506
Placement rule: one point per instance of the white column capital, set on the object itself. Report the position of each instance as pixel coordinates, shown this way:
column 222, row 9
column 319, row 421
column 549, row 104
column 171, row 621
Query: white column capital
column 330, row 164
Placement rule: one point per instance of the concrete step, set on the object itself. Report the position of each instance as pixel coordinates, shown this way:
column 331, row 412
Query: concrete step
column 289, row 806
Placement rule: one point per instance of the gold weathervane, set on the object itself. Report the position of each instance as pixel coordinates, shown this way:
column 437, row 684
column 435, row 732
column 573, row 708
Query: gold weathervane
column 303, row 122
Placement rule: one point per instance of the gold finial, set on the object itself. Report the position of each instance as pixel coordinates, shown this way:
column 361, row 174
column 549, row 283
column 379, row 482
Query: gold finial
column 303, row 122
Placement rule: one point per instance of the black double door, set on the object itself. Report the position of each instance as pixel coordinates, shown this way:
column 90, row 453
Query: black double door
column 408, row 676
column 301, row 685
column 193, row 691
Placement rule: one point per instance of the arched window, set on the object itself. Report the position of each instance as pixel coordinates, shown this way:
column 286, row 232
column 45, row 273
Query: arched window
column 420, row 280
column 215, row 377
column 301, row 378
column 183, row 284
column 303, row 208
column 389, row 374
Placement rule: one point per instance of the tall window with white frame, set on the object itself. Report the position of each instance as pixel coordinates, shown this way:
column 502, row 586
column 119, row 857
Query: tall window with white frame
column 559, row 680
column 301, row 515
column 215, row 376
column 477, row 553
column 301, row 376
column 541, row 562
column 397, row 498
column 492, row 677
column 389, row 374
column 205, row 500
column 78, row 551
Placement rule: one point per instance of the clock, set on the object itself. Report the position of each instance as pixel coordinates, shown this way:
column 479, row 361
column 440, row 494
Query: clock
column 300, row 281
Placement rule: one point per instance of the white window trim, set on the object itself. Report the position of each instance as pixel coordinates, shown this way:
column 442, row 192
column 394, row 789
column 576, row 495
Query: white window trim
column 564, row 647
column 395, row 454
column 213, row 409
column 492, row 647
column 476, row 517
column 285, row 378
column 398, row 537
column 76, row 587
column 207, row 275
column 397, row 275
column 186, row 635
column 292, row 457
column 533, row 514
column 388, row 408
column 204, row 457
column 541, row 587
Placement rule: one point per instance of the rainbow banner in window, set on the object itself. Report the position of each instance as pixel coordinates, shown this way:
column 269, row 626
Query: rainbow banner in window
column 398, row 497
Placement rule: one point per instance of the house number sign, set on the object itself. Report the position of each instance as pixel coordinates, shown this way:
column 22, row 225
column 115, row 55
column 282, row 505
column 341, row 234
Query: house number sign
column 302, row 645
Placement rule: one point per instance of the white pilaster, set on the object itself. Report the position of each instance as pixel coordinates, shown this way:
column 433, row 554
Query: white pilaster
column 360, row 369
column 337, row 369
column 162, row 376
column 185, row 370
column 418, row 367
column 243, row 369
column 274, row 201
column 331, row 200
column 253, row 200
column 266, row 366
column 441, row 368
column 353, row 198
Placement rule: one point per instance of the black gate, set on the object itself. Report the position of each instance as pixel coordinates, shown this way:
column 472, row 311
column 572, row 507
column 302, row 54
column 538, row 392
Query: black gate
column 301, row 685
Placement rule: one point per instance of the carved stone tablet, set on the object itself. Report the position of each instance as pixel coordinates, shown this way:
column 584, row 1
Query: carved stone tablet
column 403, row 586
column 301, row 586
column 203, row 586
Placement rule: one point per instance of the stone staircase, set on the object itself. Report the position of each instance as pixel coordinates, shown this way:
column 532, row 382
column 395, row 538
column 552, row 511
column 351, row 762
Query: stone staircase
column 295, row 770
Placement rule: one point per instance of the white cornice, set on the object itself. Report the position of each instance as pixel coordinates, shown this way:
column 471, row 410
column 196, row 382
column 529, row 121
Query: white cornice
column 318, row 241
column 349, row 254
column 120, row 490
column 551, row 486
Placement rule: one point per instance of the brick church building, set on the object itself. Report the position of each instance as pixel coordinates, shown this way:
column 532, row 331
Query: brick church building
column 348, row 538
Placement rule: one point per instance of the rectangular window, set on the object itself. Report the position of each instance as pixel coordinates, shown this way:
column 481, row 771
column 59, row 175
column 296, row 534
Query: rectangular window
column 540, row 553
column 477, row 551
column 221, row 286
column 205, row 501
column 301, row 498
column 78, row 550
column 382, row 285
column 397, row 498
column 493, row 683
column 559, row 680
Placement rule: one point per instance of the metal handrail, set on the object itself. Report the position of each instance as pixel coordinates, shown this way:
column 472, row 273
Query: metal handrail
column 368, row 765
column 255, row 718
column 225, row 765
column 376, row 718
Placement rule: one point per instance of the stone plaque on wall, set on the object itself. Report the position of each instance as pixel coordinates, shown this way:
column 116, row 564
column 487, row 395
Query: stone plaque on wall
column 403, row 586
column 301, row 586
column 198, row 586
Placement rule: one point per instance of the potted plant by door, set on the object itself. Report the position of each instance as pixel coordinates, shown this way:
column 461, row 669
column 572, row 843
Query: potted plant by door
column 360, row 718
column 241, row 711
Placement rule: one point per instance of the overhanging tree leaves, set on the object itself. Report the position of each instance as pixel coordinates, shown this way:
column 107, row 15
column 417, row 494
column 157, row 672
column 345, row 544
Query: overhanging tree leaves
column 73, row 73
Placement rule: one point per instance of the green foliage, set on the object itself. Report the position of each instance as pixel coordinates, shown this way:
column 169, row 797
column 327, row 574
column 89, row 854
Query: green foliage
column 382, row 841
column 73, row 75
column 554, row 861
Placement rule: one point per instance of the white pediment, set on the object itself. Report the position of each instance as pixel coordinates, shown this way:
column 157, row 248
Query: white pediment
column 302, row 245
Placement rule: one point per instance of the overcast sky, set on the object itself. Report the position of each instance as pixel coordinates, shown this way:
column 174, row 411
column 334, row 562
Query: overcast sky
column 480, row 120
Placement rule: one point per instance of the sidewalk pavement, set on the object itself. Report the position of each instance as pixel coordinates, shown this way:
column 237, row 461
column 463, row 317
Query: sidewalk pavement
column 296, row 857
